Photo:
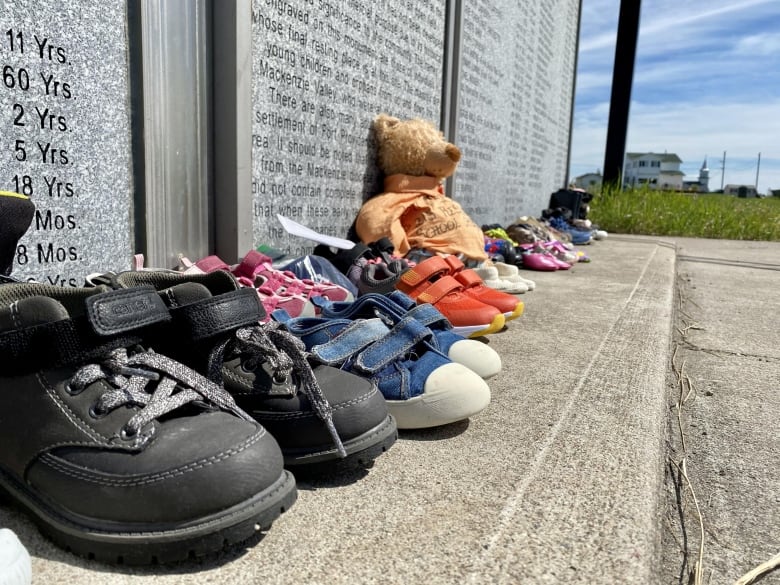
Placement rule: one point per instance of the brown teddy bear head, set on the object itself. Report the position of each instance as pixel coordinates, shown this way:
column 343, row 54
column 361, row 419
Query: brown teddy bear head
column 413, row 147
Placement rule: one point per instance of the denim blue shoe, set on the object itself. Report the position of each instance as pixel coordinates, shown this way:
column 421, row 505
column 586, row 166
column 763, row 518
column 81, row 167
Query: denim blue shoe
column 395, row 306
column 423, row 388
column 578, row 237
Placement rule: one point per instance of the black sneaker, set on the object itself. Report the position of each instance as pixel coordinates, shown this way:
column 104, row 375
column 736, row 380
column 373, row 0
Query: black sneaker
column 119, row 453
column 317, row 413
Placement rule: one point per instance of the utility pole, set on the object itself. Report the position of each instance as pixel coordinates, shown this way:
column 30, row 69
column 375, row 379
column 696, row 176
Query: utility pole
column 722, row 170
column 620, row 100
column 758, row 167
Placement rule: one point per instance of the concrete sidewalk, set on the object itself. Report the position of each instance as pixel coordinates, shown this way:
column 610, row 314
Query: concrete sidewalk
column 561, row 479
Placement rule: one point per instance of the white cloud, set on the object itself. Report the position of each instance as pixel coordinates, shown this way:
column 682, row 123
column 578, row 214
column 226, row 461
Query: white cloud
column 764, row 44
column 702, row 85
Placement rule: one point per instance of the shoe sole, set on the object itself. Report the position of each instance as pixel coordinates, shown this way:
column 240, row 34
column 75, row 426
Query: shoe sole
column 516, row 313
column 478, row 330
column 361, row 450
column 133, row 544
column 461, row 395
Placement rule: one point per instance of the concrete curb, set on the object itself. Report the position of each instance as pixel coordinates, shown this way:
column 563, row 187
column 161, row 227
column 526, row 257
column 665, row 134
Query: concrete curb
column 594, row 492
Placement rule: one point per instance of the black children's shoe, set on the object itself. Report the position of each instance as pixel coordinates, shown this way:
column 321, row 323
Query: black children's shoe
column 317, row 413
column 119, row 453
column 16, row 213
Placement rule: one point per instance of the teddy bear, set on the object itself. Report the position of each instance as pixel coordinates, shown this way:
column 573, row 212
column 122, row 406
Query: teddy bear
column 413, row 211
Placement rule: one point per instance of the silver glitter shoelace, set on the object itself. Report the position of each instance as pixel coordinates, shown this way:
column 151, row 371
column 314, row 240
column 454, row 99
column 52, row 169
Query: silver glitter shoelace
column 156, row 383
column 284, row 353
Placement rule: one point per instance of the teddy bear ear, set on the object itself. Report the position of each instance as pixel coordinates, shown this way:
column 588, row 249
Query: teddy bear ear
column 383, row 122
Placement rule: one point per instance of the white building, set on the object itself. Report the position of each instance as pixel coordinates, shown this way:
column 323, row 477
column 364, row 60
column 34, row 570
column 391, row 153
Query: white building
column 741, row 190
column 657, row 171
column 702, row 185
column 588, row 180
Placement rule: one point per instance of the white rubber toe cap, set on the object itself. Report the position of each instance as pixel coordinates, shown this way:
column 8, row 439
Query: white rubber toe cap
column 452, row 393
column 476, row 356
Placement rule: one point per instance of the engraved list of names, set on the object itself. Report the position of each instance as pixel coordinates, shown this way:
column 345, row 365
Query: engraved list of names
column 515, row 105
column 66, row 135
column 322, row 70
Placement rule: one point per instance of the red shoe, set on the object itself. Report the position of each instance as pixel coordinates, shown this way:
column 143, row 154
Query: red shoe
column 430, row 282
column 509, row 305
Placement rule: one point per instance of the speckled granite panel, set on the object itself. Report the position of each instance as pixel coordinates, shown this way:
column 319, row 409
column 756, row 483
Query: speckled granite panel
column 517, row 69
column 64, row 98
column 322, row 70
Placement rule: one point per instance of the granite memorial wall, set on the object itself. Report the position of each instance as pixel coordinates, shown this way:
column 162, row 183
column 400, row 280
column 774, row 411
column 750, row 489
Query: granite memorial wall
column 64, row 98
column 514, row 105
column 322, row 70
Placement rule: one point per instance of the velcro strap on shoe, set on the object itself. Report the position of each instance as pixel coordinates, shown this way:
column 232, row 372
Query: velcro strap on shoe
column 250, row 264
column 454, row 263
column 429, row 315
column 468, row 278
column 212, row 264
column 119, row 311
column 220, row 314
column 60, row 343
column 400, row 341
column 426, row 269
column 351, row 341
column 439, row 289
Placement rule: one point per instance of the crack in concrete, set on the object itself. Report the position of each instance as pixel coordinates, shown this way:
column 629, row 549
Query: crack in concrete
column 688, row 346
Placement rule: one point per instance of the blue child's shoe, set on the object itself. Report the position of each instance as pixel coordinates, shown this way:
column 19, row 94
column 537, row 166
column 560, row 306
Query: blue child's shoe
column 423, row 388
column 395, row 306
column 578, row 237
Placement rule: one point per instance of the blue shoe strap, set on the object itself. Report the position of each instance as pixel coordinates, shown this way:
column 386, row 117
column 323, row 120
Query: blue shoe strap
column 366, row 306
column 393, row 346
column 405, row 302
column 429, row 316
column 351, row 341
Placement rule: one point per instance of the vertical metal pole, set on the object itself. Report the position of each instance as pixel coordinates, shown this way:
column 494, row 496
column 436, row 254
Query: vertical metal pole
column 232, row 38
column 573, row 94
column 450, row 87
column 622, row 79
column 722, row 171
column 176, row 89
column 758, row 167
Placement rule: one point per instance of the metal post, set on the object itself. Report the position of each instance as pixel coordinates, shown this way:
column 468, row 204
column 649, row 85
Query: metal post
column 176, row 96
column 232, row 37
column 620, row 100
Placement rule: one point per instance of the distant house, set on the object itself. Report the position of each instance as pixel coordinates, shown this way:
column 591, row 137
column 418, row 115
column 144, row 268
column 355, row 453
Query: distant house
column 741, row 190
column 657, row 171
column 588, row 180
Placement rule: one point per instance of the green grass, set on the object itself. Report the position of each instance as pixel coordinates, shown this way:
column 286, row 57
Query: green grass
column 661, row 213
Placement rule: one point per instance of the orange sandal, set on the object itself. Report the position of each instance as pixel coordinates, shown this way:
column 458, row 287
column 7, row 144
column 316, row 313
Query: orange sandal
column 473, row 286
column 430, row 282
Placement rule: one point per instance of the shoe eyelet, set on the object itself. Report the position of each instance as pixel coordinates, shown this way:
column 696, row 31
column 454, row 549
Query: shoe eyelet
column 127, row 434
column 97, row 413
column 249, row 365
column 71, row 390
column 277, row 379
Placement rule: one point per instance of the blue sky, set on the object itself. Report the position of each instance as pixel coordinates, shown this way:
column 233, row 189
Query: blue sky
column 706, row 80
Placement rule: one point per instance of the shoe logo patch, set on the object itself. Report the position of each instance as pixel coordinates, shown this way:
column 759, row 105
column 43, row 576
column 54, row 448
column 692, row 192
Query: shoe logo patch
column 124, row 310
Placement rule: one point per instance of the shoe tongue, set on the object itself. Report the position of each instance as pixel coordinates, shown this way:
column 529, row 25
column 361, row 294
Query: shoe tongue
column 32, row 311
column 185, row 293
